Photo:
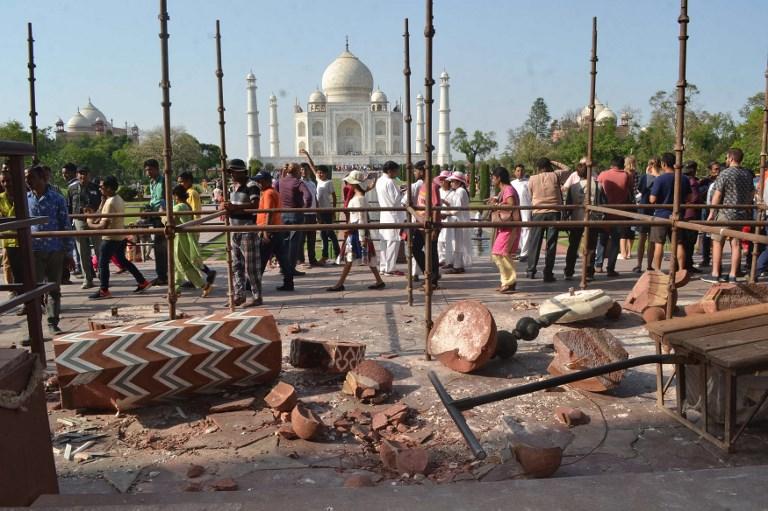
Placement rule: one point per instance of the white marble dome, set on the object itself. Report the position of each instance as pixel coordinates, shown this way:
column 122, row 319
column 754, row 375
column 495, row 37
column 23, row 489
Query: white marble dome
column 605, row 115
column 317, row 97
column 92, row 113
column 378, row 96
column 78, row 122
column 348, row 80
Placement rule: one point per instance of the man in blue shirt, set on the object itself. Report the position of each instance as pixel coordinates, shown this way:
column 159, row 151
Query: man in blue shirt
column 51, row 254
column 663, row 192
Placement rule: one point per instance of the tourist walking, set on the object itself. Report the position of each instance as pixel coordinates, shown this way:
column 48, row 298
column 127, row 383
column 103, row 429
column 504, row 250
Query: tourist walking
column 186, row 180
column 443, row 250
column 505, row 239
column 326, row 198
column 83, row 197
column 50, row 254
column 246, row 261
column 734, row 185
column 691, row 214
column 520, row 184
column 358, row 246
column 113, row 245
column 186, row 254
column 269, row 243
column 545, row 193
column 419, row 239
column 389, row 196
column 460, row 237
column 645, row 183
column 706, row 189
column 12, row 264
column 310, row 218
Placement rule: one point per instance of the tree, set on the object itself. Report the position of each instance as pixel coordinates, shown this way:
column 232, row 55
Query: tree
column 480, row 145
column 210, row 157
column 485, row 181
column 525, row 147
column 186, row 152
column 539, row 120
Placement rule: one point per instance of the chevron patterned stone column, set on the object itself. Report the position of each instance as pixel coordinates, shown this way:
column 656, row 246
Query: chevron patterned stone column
column 130, row 366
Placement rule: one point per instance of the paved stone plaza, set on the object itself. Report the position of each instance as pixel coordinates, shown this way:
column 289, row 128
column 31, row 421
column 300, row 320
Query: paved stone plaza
column 151, row 448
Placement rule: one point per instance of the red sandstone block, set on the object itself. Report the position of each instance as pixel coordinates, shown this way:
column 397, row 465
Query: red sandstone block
column 127, row 367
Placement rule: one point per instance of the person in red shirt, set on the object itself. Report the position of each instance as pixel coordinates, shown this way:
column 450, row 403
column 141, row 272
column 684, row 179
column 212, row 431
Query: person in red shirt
column 617, row 187
column 269, row 242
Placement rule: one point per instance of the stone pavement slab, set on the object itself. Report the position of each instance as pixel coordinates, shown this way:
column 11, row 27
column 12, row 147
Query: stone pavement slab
column 719, row 489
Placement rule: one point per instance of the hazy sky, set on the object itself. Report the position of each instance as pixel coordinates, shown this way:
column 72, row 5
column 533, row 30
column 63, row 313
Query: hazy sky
column 500, row 55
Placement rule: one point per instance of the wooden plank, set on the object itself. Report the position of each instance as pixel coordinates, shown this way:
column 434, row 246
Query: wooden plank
column 658, row 329
column 709, row 337
column 749, row 357
column 710, row 343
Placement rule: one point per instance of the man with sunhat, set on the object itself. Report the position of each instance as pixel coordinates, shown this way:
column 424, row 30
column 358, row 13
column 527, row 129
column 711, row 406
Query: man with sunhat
column 389, row 196
column 246, row 260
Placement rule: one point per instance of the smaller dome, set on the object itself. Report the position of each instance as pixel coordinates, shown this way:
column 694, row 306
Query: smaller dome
column 444, row 75
column 606, row 115
column 78, row 122
column 317, row 97
column 378, row 97
column 273, row 99
column 59, row 122
column 250, row 76
column 419, row 96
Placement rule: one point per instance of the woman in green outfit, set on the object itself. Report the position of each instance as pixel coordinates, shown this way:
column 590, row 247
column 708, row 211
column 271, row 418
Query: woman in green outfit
column 186, row 254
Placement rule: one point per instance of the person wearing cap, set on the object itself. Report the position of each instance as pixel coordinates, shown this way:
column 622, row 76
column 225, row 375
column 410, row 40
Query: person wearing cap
column 83, row 196
column 545, row 193
column 157, row 204
column 358, row 245
column 443, row 242
column 246, row 260
column 390, row 196
column 460, row 237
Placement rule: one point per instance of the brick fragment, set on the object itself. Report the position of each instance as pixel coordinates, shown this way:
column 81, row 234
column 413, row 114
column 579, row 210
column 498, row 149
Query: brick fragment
column 571, row 416
column 195, row 471
column 224, row 485
column 282, row 397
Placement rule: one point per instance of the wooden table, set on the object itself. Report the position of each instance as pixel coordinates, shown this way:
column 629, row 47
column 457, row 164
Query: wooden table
column 734, row 342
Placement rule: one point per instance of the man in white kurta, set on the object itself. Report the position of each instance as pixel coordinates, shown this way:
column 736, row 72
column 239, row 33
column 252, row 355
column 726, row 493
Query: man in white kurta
column 389, row 196
column 520, row 184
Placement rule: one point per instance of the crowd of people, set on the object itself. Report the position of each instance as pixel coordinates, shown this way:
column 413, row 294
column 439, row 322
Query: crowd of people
column 299, row 188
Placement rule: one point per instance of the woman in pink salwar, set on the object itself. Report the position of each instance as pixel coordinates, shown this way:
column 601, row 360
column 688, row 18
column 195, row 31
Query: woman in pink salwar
column 505, row 239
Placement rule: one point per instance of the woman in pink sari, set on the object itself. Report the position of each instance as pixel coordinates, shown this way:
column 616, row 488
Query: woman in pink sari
column 505, row 239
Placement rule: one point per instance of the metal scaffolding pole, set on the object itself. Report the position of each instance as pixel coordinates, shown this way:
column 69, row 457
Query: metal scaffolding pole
column 165, row 84
column 761, row 184
column 223, row 143
column 679, row 147
column 429, row 34
column 32, row 108
column 587, row 259
column 408, row 157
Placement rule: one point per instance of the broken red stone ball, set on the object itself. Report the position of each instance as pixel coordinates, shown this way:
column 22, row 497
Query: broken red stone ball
column 464, row 336
column 539, row 461
column 306, row 424
column 282, row 397
column 412, row 461
column 571, row 416
column 195, row 471
column 368, row 380
column 652, row 314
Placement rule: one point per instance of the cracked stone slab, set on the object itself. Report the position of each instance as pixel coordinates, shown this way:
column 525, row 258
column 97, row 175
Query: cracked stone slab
column 122, row 480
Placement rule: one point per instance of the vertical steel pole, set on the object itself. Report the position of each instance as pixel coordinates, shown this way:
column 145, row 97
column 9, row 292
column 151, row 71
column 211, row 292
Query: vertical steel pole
column 32, row 108
column 429, row 34
column 223, row 143
column 761, row 184
column 29, row 281
column 165, row 84
column 679, row 148
column 408, row 156
column 587, row 260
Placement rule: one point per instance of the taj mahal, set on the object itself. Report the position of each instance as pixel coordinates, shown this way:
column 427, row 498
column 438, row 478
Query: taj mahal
column 347, row 122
